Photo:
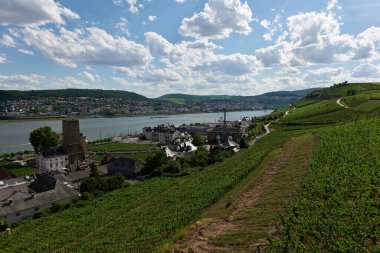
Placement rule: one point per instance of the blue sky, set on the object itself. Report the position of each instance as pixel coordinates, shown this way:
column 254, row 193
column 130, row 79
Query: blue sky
column 156, row 47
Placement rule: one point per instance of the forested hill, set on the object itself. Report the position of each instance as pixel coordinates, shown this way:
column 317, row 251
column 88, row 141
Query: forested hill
column 282, row 97
column 7, row 95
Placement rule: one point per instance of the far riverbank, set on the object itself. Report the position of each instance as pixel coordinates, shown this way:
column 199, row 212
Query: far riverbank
column 14, row 135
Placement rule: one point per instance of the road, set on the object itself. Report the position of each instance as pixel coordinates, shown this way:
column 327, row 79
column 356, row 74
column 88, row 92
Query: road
column 339, row 102
column 267, row 131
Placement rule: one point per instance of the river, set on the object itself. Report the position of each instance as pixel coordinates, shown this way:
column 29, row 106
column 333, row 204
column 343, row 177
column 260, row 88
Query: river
column 14, row 135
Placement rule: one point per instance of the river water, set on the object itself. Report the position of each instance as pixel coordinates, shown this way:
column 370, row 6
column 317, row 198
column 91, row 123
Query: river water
column 14, row 135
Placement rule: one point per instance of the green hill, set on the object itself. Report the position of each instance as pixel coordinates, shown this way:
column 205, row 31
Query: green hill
column 271, row 98
column 7, row 95
column 312, row 186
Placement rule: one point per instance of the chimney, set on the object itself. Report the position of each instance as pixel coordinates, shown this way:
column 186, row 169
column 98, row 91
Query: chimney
column 225, row 117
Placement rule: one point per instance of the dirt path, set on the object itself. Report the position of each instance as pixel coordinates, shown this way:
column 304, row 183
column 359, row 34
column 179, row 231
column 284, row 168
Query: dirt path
column 267, row 131
column 202, row 236
column 339, row 102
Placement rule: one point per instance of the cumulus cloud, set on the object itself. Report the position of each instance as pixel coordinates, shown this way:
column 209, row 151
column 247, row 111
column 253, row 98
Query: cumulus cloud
column 33, row 13
column 90, row 46
column 325, row 76
column 366, row 70
column 310, row 28
column 157, row 44
column 218, row 20
column 19, row 81
column 232, row 65
column 316, row 38
column 7, row 41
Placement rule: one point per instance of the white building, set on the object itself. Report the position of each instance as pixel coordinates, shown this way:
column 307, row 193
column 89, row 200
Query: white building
column 53, row 162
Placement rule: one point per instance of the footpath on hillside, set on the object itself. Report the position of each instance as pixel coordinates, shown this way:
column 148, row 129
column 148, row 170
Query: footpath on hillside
column 339, row 102
column 246, row 222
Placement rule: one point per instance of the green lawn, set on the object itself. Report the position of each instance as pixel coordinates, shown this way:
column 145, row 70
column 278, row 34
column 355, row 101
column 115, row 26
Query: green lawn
column 18, row 170
column 137, row 156
column 122, row 147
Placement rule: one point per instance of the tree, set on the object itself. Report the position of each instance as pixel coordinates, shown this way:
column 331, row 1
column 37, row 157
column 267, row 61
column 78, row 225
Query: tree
column 155, row 161
column 43, row 138
column 243, row 143
column 198, row 139
column 3, row 225
column 200, row 158
column 94, row 170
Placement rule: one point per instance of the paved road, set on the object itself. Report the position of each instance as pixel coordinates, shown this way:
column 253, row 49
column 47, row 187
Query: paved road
column 339, row 102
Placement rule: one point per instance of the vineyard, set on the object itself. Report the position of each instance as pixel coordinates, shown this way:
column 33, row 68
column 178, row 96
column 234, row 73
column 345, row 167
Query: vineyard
column 337, row 209
column 139, row 218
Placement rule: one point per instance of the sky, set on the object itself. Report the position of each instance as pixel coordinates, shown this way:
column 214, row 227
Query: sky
column 157, row 47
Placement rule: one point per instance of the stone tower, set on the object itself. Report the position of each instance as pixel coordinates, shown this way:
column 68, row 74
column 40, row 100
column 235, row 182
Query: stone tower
column 73, row 142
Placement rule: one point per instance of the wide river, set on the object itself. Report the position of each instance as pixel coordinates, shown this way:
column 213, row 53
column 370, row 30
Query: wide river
column 14, row 135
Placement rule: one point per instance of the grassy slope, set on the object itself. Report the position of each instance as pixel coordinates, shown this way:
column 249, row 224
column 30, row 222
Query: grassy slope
column 137, row 218
column 122, row 147
column 278, row 96
column 273, row 197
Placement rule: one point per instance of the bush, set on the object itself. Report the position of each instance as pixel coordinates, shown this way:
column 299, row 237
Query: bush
column 3, row 225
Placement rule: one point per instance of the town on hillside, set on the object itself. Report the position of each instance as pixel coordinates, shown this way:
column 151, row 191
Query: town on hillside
column 62, row 166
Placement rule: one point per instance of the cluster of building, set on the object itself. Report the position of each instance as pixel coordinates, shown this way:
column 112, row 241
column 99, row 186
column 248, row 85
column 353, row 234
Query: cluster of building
column 60, row 173
column 62, row 169
column 178, row 138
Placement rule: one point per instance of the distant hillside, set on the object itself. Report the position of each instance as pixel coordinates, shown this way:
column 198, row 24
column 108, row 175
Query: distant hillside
column 7, row 95
column 267, row 99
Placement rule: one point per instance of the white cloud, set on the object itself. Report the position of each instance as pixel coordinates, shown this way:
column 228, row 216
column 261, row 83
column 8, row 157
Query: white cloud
column 122, row 25
column 33, row 12
column 7, row 41
column 180, row 1
column 265, row 23
column 325, row 76
column 372, row 34
column 152, row 18
column 333, row 4
column 21, row 82
column 3, row 59
column 72, row 82
column 90, row 46
column 218, row 20
column 89, row 76
column 366, row 70
column 133, row 5
column 272, row 27
column 231, row 65
column 157, row 44
column 316, row 38
column 24, row 51
column 310, row 28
